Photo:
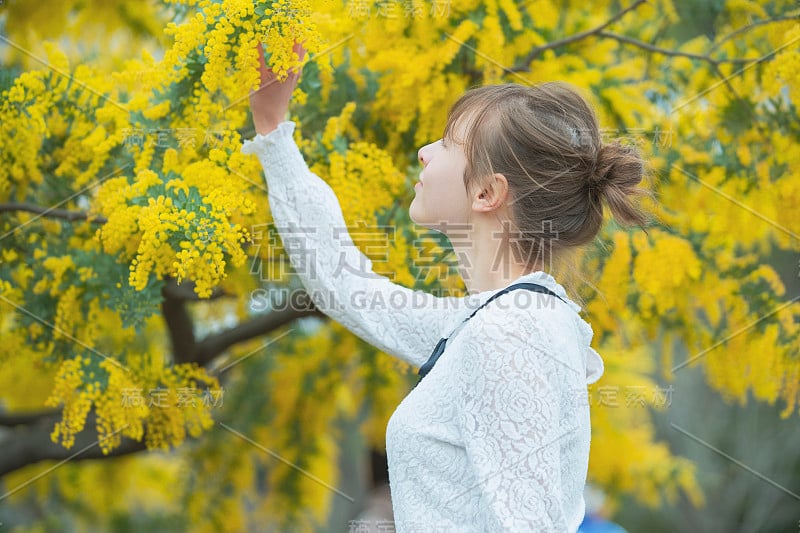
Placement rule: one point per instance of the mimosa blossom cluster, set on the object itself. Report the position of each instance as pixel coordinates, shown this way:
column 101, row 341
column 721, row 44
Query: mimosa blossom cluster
column 224, row 36
column 180, row 229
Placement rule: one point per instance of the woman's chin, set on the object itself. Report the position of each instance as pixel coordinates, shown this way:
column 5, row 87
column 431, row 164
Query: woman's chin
column 419, row 219
column 421, row 223
column 412, row 212
column 415, row 219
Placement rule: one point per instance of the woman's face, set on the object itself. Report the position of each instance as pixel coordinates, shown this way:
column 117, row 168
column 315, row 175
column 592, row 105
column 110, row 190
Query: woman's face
column 441, row 199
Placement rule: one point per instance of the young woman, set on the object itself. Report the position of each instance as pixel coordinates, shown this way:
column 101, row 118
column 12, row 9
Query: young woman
column 496, row 436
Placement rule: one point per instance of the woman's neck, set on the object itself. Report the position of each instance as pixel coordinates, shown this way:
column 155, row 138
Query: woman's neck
column 485, row 260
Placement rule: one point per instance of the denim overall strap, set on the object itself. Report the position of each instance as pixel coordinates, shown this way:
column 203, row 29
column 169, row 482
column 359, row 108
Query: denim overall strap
column 437, row 351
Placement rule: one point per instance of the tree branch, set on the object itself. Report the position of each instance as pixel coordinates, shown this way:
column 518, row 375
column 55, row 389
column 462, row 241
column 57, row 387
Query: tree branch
column 216, row 343
column 750, row 26
column 667, row 52
column 187, row 349
column 524, row 65
column 22, row 419
column 30, row 444
column 180, row 327
column 185, row 291
column 52, row 212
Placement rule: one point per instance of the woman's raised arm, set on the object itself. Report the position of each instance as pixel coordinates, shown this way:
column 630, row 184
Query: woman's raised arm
column 339, row 278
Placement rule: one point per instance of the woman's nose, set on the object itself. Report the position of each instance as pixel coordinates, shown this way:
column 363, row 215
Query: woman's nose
column 422, row 154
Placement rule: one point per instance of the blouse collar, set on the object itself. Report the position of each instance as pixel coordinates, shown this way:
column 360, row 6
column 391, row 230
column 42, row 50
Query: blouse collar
column 593, row 361
column 540, row 277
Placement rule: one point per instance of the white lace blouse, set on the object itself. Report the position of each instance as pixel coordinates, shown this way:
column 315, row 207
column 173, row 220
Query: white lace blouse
column 496, row 436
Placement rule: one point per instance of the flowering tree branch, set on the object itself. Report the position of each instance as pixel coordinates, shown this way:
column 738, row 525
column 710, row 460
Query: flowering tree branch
column 29, row 442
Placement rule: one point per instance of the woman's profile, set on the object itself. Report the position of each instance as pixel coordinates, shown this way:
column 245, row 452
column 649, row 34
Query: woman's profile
column 495, row 436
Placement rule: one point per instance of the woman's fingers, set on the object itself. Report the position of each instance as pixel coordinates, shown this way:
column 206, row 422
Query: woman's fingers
column 268, row 76
column 269, row 104
column 265, row 72
column 299, row 49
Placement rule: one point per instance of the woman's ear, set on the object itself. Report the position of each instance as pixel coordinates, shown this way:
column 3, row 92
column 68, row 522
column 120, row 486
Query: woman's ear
column 492, row 194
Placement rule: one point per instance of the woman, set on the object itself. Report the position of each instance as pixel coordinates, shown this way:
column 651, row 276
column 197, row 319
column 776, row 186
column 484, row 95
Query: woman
column 496, row 436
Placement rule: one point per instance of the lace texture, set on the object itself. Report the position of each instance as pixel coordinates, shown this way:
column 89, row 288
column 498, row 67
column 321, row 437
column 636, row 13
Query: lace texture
column 496, row 437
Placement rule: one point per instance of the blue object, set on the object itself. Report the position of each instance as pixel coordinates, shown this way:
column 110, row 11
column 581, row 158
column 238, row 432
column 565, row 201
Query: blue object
column 595, row 524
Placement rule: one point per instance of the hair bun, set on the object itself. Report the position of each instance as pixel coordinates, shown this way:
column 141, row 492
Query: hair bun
column 618, row 166
column 618, row 169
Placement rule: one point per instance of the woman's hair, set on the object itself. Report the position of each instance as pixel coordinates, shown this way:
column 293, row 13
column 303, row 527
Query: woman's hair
column 546, row 141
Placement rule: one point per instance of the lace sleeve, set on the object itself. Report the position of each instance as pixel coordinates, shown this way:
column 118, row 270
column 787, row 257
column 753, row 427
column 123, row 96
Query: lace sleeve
column 510, row 416
column 339, row 278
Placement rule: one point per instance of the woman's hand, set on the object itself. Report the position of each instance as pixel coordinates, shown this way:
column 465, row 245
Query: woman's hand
column 270, row 103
